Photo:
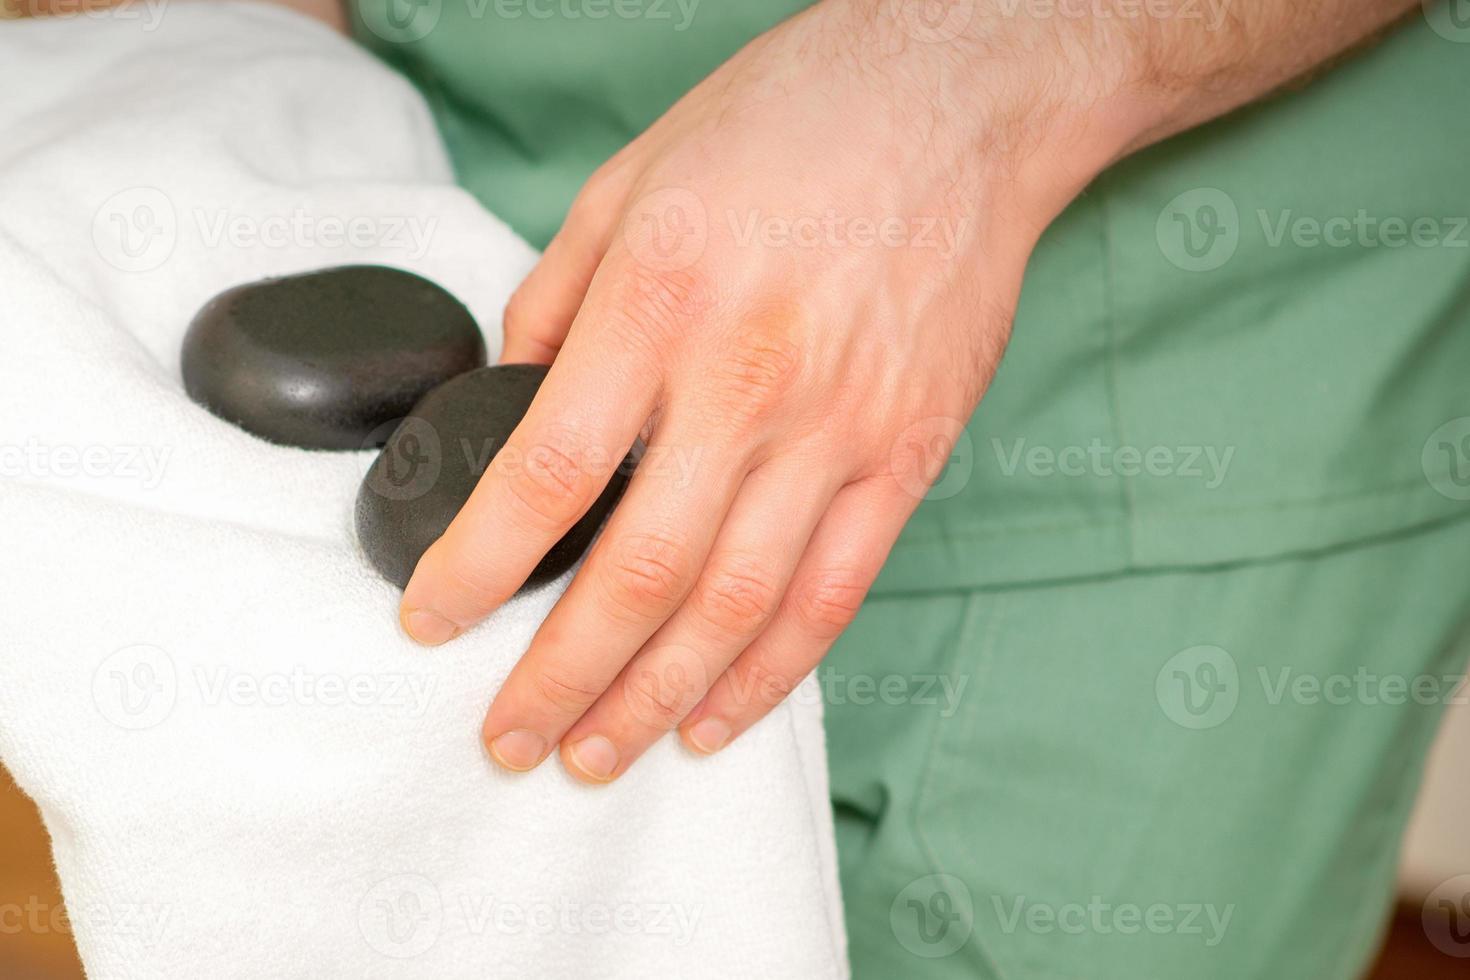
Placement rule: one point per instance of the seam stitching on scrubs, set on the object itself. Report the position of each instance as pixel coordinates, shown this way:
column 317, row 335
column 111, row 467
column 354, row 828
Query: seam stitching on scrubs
column 1110, row 362
column 1429, row 526
column 1268, row 507
column 982, row 669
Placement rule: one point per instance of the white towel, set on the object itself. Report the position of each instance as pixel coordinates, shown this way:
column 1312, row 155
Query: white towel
column 246, row 770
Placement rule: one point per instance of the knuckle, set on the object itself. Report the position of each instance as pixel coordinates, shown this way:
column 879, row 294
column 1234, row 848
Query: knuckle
column 593, row 202
column 468, row 576
column 646, row 576
column 827, row 603
column 757, row 371
column 653, row 303
column 517, row 318
column 738, row 596
column 564, row 693
column 761, row 687
column 551, row 484
column 602, row 192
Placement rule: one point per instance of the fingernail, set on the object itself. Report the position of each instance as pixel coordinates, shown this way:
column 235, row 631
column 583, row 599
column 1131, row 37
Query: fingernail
column 710, row 735
column 428, row 627
column 518, row 751
column 596, row 757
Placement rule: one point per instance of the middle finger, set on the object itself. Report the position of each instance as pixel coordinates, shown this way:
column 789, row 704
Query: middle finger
column 749, row 568
column 636, row 576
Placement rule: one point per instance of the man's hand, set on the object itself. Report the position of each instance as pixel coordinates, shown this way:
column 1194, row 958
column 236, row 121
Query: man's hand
column 795, row 287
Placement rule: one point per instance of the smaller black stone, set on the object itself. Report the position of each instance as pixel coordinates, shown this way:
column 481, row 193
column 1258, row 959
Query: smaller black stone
column 328, row 359
column 433, row 460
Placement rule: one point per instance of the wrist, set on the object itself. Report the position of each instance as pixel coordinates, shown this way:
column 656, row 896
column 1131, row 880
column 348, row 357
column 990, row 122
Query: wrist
column 1040, row 105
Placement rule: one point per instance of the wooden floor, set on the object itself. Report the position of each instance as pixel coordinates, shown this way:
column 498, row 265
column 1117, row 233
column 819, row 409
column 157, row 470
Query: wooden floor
column 35, row 940
column 35, row 943
column 1407, row 955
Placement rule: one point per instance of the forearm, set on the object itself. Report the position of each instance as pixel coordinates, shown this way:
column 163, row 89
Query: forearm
column 1181, row 73
column 1054, row 91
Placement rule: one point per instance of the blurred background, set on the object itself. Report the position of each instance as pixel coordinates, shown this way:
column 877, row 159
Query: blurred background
column 30, row 947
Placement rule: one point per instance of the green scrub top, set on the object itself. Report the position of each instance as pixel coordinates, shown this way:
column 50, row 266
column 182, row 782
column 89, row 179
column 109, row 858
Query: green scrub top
column 1249, row 341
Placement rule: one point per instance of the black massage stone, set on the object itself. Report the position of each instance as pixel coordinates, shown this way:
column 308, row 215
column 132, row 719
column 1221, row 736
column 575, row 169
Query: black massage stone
column 326, row 360
column 435, row 457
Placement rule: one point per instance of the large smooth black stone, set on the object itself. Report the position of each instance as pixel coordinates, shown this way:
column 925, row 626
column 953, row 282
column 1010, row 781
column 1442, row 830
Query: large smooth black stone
column 326, row 360
column 435, row 457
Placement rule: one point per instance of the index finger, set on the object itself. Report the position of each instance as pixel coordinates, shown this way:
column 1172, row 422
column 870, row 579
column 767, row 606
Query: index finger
column 581, row 424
